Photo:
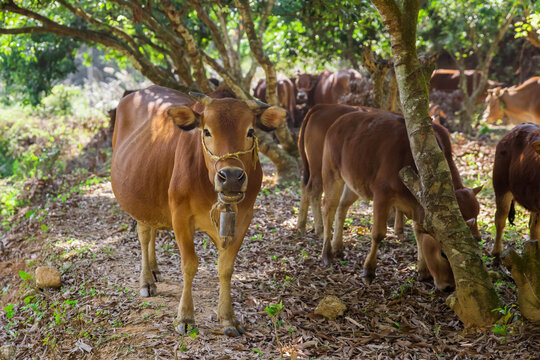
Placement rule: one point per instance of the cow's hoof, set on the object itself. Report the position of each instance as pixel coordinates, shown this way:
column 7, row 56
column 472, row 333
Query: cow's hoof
column 148, row 290
column 234, row 331
column 368, row 276
column 338, row 253
column 185, row 327
column 326, row 260
column 157, row 276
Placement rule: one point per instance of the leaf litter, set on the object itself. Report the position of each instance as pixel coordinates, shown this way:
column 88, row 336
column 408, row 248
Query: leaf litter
column 98, row 313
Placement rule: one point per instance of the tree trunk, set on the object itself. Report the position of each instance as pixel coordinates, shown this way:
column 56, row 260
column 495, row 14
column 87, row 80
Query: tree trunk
column 475, row 297
column 282, row 133
column 378, row 69
column 469, row 100
column 286, row 165
column 525, row 270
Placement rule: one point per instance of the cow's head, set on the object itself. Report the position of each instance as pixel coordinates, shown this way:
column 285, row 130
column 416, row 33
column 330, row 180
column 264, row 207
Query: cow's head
column 437, row 263
column 494, row 105
column 304, row 84
column 228, row 138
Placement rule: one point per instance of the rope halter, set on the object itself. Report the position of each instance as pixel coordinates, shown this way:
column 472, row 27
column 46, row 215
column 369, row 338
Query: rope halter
column 254, row 148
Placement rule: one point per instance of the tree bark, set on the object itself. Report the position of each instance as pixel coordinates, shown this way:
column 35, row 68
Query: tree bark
column 378, row 69
column 525, row 270
column 475, row 297
column 282, row 133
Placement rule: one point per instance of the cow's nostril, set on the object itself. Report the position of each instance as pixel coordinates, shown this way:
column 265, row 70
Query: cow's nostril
column 222, row 176
column 242, row 177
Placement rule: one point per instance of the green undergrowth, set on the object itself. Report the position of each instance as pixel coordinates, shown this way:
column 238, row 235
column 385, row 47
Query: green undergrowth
column 41, row 149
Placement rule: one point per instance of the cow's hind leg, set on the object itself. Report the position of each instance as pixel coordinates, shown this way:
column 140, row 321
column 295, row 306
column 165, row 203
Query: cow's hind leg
column 348, row 197
column 381, row 207
column 333, row 192
column 303, row 212
column 152, row 256
column 147, row 239
column 503, row 208
column 226, row 257
column 190, row 263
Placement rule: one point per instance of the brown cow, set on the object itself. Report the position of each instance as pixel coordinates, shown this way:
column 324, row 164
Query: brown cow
column 325, row 88
column 448, row 80
column 287, row 100
column 365, row 151
column 518, row 103
column 166, row 175
column 516, row 176
column 310, row 142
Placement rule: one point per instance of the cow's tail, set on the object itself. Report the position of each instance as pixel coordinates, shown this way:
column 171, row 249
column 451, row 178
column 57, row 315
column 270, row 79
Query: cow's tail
column 512, row 213
column 301, row 149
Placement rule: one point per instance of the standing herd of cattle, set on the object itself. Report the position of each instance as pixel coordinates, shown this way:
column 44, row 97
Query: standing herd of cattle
column 189, row 162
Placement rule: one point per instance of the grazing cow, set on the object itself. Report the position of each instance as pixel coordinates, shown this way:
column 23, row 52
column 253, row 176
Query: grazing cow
column 518, row 103
column 516, row 176
column 325, row 88
column 173, row 167
column 365, row 151
column 448, row 80
column 287, row 100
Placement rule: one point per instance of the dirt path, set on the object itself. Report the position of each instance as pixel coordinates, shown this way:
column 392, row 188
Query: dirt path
column 98, row 314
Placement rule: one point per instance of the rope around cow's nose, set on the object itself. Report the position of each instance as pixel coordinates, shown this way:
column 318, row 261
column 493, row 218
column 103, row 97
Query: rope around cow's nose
column 254, row 148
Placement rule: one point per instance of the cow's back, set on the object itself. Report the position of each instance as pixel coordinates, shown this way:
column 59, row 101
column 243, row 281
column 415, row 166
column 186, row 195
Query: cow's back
column 368, row 150
column 517, row 166
column 146, row 148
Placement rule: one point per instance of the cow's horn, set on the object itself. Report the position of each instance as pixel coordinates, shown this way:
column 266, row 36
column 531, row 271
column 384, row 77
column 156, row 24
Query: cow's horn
column 256, row 104
column 203, row 99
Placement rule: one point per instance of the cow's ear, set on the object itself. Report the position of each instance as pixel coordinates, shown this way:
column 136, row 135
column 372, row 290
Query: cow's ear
column 183, row 117
column 536, row 146
column 477, row 189
column 271, row 118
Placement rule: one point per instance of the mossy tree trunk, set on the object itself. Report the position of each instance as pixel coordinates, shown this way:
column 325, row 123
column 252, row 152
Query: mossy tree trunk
column 286, row 161
column 475, row 297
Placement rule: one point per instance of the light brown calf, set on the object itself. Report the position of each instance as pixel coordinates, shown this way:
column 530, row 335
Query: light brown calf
column 365, row 151
column 517, row 103
column 173, row 167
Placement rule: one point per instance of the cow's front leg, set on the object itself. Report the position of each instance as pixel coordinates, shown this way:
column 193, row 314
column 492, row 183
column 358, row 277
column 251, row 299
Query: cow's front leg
column 190, row 263
column 152, row 256
column 381, row 207
column 147, row 238
column 226, row 257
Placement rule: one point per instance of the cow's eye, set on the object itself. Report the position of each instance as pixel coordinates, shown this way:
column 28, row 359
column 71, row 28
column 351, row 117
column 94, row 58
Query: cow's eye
column 207, row 133
column 251, row 132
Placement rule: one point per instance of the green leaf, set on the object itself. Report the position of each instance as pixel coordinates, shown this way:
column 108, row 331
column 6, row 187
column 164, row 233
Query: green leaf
column 24, row 276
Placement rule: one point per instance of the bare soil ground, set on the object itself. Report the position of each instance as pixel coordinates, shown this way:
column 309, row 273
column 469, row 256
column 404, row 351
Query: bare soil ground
column 98, row 314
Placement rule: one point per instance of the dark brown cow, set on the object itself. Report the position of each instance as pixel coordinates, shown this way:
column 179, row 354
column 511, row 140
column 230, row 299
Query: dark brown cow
column 448, row 80
column 516, row 176
column 166, row 175
column 517, row 103
column 325, row 88
column 365, row 151
column 285, row 89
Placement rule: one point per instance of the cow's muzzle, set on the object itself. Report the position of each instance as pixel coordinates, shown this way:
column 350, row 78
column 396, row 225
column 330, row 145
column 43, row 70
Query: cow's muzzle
column 231, row 184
